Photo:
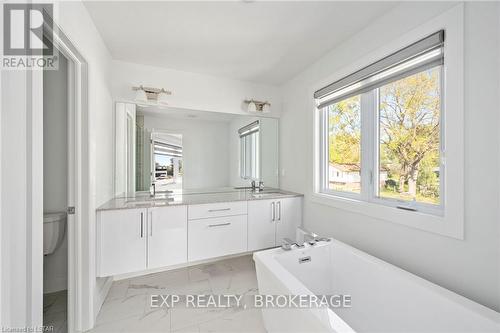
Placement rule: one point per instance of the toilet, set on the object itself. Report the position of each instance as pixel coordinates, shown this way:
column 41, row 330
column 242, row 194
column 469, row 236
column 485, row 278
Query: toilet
column 54, row 227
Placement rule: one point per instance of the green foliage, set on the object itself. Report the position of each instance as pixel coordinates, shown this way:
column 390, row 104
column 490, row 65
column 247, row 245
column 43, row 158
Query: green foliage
column 345, row 131
column 409, row 115
column 410, row 130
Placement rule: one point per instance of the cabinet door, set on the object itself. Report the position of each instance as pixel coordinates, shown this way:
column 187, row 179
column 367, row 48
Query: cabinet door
column 122, row 241
column 261, row 224
column 288, row 218
column 167, row 236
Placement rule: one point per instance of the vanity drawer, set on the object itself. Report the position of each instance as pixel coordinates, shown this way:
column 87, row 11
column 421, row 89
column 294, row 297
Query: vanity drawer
column 217, row 209
column 215, row 237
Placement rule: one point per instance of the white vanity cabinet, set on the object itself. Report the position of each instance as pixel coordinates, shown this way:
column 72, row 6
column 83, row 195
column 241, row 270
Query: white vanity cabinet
column 289, row 218
column 121, row 241
column 217, row 229
column 138, row 239
column 167, row 236
column 269, row 221
column 131, row 240
column 217, row 237
column 261, row 224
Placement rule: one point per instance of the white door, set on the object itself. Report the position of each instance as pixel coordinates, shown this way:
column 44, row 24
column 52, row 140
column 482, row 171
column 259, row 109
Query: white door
column 122, row 241
column 288, row 218
column 167, row 236
column 261, row 224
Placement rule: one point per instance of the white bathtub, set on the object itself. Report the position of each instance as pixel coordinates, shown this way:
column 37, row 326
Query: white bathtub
column 384, row 298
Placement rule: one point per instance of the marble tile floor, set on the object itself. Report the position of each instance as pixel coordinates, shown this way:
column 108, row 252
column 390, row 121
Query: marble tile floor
column 127, row 307
column 55, row 311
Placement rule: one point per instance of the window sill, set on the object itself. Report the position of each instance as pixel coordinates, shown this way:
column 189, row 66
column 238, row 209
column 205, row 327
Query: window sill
column 445, row 225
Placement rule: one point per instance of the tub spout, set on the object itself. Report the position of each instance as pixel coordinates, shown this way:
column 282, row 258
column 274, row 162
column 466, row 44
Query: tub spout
column 287, row 243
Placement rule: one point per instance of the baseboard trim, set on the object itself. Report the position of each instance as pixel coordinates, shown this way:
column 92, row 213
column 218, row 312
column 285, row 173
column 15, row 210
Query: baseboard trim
column 169, row 268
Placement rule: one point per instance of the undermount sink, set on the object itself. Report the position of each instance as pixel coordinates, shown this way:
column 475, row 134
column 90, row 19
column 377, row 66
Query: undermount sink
column 266, row 194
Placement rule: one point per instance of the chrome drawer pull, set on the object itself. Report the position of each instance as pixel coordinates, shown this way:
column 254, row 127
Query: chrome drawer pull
column 142, row 225
column 218, row 210
column 218, row 225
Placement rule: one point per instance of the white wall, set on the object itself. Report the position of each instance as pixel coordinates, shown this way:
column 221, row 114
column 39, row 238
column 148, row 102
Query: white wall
column 21, row 143
column 55, row 168
column 191, row 90
column 205, row 159
column 469, row 267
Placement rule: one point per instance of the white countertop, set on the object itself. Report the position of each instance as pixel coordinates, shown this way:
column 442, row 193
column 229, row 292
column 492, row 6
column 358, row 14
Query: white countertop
column 193, row 197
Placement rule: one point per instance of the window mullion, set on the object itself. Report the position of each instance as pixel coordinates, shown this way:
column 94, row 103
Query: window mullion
column 324, row 149
column 368, row 145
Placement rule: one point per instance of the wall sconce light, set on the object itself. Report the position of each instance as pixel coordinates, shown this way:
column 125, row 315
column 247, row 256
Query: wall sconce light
column 258, row 106
column 148, row 94
column 140, row 95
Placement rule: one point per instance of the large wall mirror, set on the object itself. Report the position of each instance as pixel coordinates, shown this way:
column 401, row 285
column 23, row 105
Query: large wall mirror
column 177, row 149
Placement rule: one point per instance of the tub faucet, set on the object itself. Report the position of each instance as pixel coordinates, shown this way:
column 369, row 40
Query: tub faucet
column 312, row 238
column 287, row 243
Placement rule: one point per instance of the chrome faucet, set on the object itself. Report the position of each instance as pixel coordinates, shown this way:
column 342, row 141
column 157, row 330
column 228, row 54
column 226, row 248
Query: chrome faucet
column 287, row 243
column 253, row 185
column 152, row 190
column 261, row 186
column 312, row 238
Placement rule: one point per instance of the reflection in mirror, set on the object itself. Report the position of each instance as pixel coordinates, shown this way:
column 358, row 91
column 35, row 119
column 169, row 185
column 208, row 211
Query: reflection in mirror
column 249, row 151
column 197, row 151
column 167, row 161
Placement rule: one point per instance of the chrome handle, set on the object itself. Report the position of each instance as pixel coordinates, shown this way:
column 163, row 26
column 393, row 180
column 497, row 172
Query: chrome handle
column 273, row 211
column 278, row 208
column 142, row 224
column 218, row 210
column 151, row 224
column 218, row 225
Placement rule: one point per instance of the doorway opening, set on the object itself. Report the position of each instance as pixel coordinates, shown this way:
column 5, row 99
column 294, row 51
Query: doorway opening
column 55, row 196
column 66, row 281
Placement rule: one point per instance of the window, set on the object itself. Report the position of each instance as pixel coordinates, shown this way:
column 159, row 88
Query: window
column 409, row 113
column 381, row 131
column 344, row 145
column 250, row 151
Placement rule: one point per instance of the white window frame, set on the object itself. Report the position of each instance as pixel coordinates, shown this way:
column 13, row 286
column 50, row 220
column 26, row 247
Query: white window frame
column 448, row 218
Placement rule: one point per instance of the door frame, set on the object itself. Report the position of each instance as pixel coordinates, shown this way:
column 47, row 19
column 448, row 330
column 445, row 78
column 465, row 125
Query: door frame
column 80, row 279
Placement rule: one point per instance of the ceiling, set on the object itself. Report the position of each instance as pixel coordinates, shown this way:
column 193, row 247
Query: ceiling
column 262, row 42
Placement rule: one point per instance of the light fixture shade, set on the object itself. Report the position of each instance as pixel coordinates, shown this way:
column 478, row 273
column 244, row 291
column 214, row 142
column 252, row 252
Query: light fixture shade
column 266, row 108
column 252, row 107
column 140, row 96
column 163, row 98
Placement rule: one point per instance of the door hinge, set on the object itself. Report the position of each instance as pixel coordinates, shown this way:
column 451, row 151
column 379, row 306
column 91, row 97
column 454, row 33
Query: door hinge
column 71, row 210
